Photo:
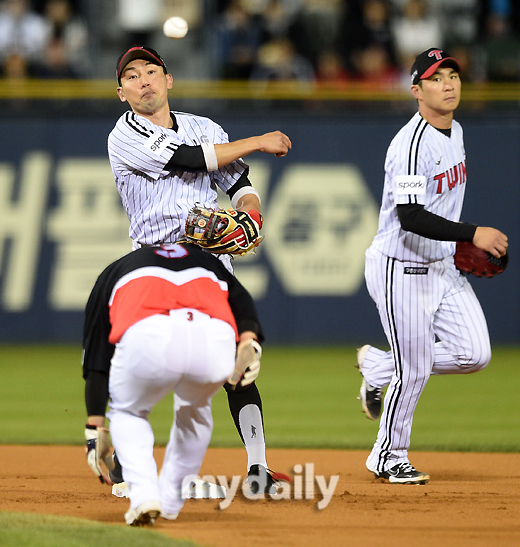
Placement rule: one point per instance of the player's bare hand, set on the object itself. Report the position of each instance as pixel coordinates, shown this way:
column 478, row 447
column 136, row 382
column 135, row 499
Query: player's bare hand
column 491, row 240
column 276, row 143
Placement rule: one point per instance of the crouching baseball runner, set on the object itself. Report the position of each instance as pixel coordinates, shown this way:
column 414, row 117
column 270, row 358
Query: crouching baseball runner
column 161, row 320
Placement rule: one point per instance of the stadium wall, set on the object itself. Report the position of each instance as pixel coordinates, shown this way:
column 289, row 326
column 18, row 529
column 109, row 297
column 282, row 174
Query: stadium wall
column 61, row 223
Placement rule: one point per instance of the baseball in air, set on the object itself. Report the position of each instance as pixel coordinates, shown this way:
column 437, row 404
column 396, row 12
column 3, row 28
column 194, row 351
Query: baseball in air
column 175, row 27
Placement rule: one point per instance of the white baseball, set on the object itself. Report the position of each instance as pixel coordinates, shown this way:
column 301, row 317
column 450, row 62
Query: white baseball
column 175, row 27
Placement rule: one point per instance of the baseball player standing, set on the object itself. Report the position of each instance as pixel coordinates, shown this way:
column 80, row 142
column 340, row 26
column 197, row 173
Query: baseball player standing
column 160, row 319
column 432, row 319
column 164, row 163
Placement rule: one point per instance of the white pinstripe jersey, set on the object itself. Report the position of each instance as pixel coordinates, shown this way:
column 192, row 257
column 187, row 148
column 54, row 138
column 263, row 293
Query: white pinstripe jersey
column 423, row 166
column 157, row 201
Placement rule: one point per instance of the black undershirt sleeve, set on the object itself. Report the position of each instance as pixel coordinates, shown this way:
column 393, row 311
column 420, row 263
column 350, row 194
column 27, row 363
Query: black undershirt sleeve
column 96, row 393
column 187, row 158
column 191, row 159
column 415, row 218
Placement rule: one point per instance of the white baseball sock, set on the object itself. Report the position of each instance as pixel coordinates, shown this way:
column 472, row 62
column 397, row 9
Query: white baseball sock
column 252, row 429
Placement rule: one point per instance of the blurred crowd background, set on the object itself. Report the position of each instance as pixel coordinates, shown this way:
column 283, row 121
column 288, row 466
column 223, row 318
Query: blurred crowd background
column 334, row 41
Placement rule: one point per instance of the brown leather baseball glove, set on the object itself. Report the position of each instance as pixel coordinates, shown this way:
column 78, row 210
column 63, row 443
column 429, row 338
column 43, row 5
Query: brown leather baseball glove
column 231, row 232
column 472, row 260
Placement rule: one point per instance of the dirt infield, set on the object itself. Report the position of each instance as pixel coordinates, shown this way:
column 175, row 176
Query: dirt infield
column 472, row 499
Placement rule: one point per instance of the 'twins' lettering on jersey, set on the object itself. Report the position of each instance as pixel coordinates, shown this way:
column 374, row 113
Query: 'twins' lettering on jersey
column 453, row 176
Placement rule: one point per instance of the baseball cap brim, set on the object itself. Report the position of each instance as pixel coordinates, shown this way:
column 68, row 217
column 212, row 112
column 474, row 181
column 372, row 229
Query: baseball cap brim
column 431, row 70
column 138, row 52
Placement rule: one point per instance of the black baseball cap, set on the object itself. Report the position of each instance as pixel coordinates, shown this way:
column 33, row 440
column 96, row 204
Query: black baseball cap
column 428, row 61
column 138, row 52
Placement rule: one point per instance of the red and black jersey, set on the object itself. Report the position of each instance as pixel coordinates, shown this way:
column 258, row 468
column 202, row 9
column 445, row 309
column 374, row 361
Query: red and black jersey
column 155, row 280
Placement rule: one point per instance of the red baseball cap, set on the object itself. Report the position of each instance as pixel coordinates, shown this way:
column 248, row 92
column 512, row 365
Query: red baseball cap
column 138, row 52
column 428, row 61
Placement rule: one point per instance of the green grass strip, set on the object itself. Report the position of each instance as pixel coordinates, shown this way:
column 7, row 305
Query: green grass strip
column 308, row 394
column 32, row 530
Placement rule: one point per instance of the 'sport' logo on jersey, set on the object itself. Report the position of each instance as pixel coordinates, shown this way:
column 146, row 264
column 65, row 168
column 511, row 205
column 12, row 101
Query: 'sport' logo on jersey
column 157, row 143
column 410, row 184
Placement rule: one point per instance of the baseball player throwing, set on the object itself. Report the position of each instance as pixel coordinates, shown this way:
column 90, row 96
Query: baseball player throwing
column 431, row 317
column 166, row 162
column 158, row 320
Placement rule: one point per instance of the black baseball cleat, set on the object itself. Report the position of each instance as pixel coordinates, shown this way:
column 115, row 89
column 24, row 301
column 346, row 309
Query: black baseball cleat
column 370, row 396
column 116, row 475
column 262, row 480
column 402, row 473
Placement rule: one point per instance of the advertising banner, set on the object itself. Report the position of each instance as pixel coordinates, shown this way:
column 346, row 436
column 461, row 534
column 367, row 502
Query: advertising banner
column 61, row 223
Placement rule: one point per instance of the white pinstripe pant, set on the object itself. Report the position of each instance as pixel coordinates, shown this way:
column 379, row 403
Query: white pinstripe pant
column 434, row 324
